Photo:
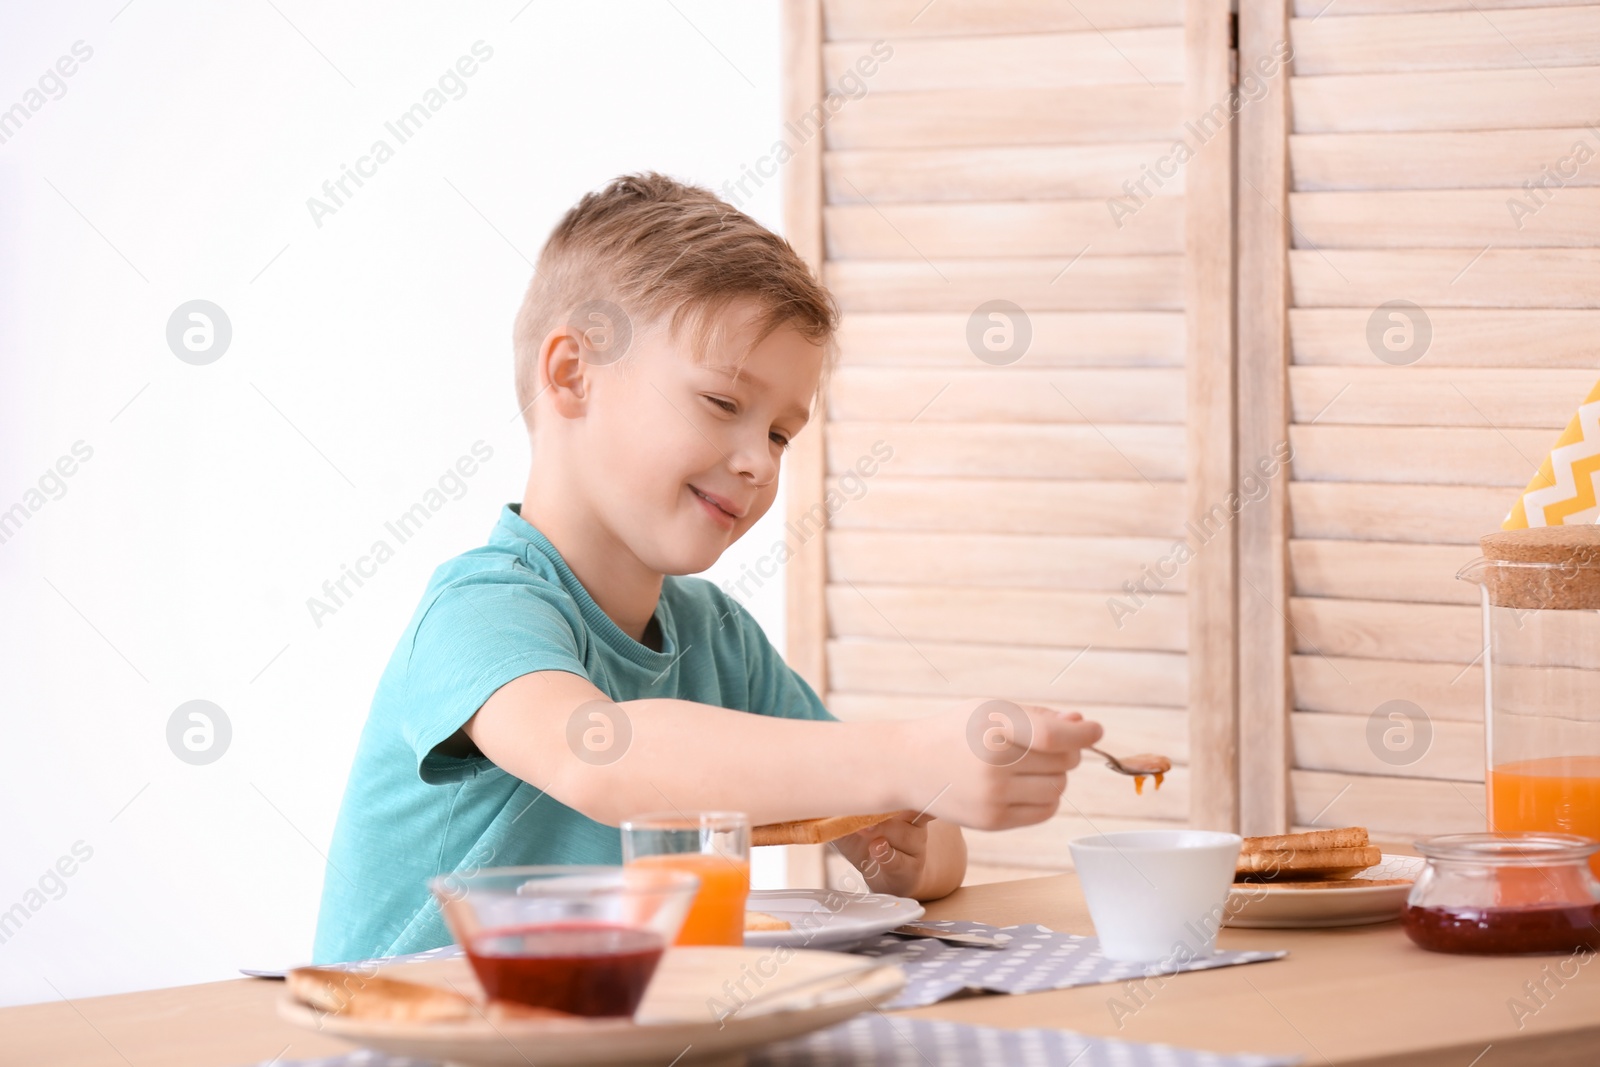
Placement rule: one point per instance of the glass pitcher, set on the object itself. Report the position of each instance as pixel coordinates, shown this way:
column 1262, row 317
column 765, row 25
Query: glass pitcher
column 1540, row 590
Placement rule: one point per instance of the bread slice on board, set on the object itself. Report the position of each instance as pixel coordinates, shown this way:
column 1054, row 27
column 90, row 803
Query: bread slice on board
column 813, row 831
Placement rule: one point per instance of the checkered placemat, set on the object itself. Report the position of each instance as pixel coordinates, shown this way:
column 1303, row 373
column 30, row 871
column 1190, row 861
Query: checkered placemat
column 1034, row 958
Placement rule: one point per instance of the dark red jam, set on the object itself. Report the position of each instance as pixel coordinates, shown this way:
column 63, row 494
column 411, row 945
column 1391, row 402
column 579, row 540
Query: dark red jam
column 579, row 968
column 1504, row 931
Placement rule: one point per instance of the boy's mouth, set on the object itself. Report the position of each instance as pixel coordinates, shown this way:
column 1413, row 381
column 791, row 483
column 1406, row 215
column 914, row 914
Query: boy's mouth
column 719, row 507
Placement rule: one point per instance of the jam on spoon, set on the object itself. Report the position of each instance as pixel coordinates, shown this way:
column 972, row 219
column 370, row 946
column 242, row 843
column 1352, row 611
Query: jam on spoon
column 1144, row 765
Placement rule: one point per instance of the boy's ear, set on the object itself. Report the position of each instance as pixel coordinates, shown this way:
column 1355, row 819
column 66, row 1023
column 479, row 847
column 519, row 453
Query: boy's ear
column 564, row 371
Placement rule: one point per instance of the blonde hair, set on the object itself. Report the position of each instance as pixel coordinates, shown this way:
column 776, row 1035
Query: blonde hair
column 655, row 247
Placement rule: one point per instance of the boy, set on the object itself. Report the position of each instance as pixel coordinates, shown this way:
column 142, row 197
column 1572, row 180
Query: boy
column 563, row 677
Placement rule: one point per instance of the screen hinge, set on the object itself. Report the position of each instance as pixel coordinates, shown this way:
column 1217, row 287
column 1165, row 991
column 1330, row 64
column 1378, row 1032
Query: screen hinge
column 1233, row 48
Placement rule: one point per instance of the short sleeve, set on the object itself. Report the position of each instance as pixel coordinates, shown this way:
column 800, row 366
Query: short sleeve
column 478, row 634
column 775, row 687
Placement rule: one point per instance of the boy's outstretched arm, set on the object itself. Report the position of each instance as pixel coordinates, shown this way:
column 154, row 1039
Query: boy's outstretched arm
column 677, row 754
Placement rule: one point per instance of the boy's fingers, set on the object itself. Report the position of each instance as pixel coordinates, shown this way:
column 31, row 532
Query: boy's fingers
column 1036, row 761
column 900, row 820
column 900, row 834
column 1057, row 733
column 1028, row 814
column 899, row 816
column 1032, row 789
column 1060, row 713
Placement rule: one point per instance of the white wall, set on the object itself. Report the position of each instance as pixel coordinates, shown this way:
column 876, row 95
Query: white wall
column 367, row 355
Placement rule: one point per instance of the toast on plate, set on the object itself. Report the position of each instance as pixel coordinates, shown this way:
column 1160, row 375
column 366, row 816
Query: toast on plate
column 1347, row 837
column 1328, row 863
column 359, row 996
column 1313, row 856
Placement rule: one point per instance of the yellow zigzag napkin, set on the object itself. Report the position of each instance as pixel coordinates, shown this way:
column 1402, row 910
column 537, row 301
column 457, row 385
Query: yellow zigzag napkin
column 1563, row 489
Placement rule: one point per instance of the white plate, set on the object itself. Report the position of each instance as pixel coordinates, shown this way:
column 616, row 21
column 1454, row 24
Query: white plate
column 827, row 918
column 678, row 1018
column 1268, row 906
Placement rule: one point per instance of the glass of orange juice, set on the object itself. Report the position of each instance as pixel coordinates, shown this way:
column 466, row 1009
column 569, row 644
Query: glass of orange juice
column 715, row 846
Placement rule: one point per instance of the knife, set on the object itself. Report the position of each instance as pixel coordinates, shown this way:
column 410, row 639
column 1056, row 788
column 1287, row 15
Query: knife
column 950, row 936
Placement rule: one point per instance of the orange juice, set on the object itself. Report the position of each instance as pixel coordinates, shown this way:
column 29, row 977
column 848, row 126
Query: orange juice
column 1554, row 794
column 717, row 915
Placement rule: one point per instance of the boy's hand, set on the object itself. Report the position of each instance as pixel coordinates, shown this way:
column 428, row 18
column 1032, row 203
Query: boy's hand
column 907, row 855
column 995, row 764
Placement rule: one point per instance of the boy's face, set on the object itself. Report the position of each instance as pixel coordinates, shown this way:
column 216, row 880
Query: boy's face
column 681, row 448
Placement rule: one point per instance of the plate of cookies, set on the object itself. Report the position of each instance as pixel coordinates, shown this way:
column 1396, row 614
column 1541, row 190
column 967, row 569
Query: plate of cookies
column 1322, row 878
column 822, row 918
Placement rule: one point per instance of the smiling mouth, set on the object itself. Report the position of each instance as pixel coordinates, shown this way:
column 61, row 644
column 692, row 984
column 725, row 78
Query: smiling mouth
column 713, row 503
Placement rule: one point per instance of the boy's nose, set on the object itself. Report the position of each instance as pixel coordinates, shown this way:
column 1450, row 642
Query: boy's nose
column 757, row 464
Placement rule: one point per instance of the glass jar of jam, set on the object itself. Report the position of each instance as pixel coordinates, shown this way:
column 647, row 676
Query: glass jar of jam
column 1505, row 894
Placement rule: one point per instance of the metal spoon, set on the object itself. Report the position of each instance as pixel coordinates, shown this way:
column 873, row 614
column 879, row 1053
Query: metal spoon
column 950, row 936
column 1145, row 763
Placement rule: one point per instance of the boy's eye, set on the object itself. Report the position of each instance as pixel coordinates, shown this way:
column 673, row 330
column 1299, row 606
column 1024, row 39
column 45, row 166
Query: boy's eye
column 779, row 440
column 725, row 405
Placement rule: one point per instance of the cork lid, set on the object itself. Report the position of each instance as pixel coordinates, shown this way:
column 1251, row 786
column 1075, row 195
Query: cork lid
column 1545, row 544
column 1544, row 567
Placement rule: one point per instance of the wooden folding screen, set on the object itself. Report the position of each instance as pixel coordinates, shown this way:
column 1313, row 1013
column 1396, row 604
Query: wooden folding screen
column 1409, row 250
column 1419, row 264
column 1004, row 522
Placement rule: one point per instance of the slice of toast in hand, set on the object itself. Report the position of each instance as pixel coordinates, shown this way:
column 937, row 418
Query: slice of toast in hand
column 813, row 831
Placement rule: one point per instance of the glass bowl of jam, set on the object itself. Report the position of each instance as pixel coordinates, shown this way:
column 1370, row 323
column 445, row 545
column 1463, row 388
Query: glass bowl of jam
column 1505, row 894
column 583, row 940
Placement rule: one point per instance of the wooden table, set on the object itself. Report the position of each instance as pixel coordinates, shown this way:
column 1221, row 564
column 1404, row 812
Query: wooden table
column 1363, row 995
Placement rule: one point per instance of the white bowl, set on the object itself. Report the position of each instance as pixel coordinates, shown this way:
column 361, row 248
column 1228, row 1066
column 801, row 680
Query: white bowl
column 1156, row 894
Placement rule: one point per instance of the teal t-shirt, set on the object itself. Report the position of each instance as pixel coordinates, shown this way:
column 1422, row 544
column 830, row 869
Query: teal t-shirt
column 412, row 811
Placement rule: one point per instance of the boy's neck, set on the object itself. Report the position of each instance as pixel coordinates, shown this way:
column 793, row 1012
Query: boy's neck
column 624, row 588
